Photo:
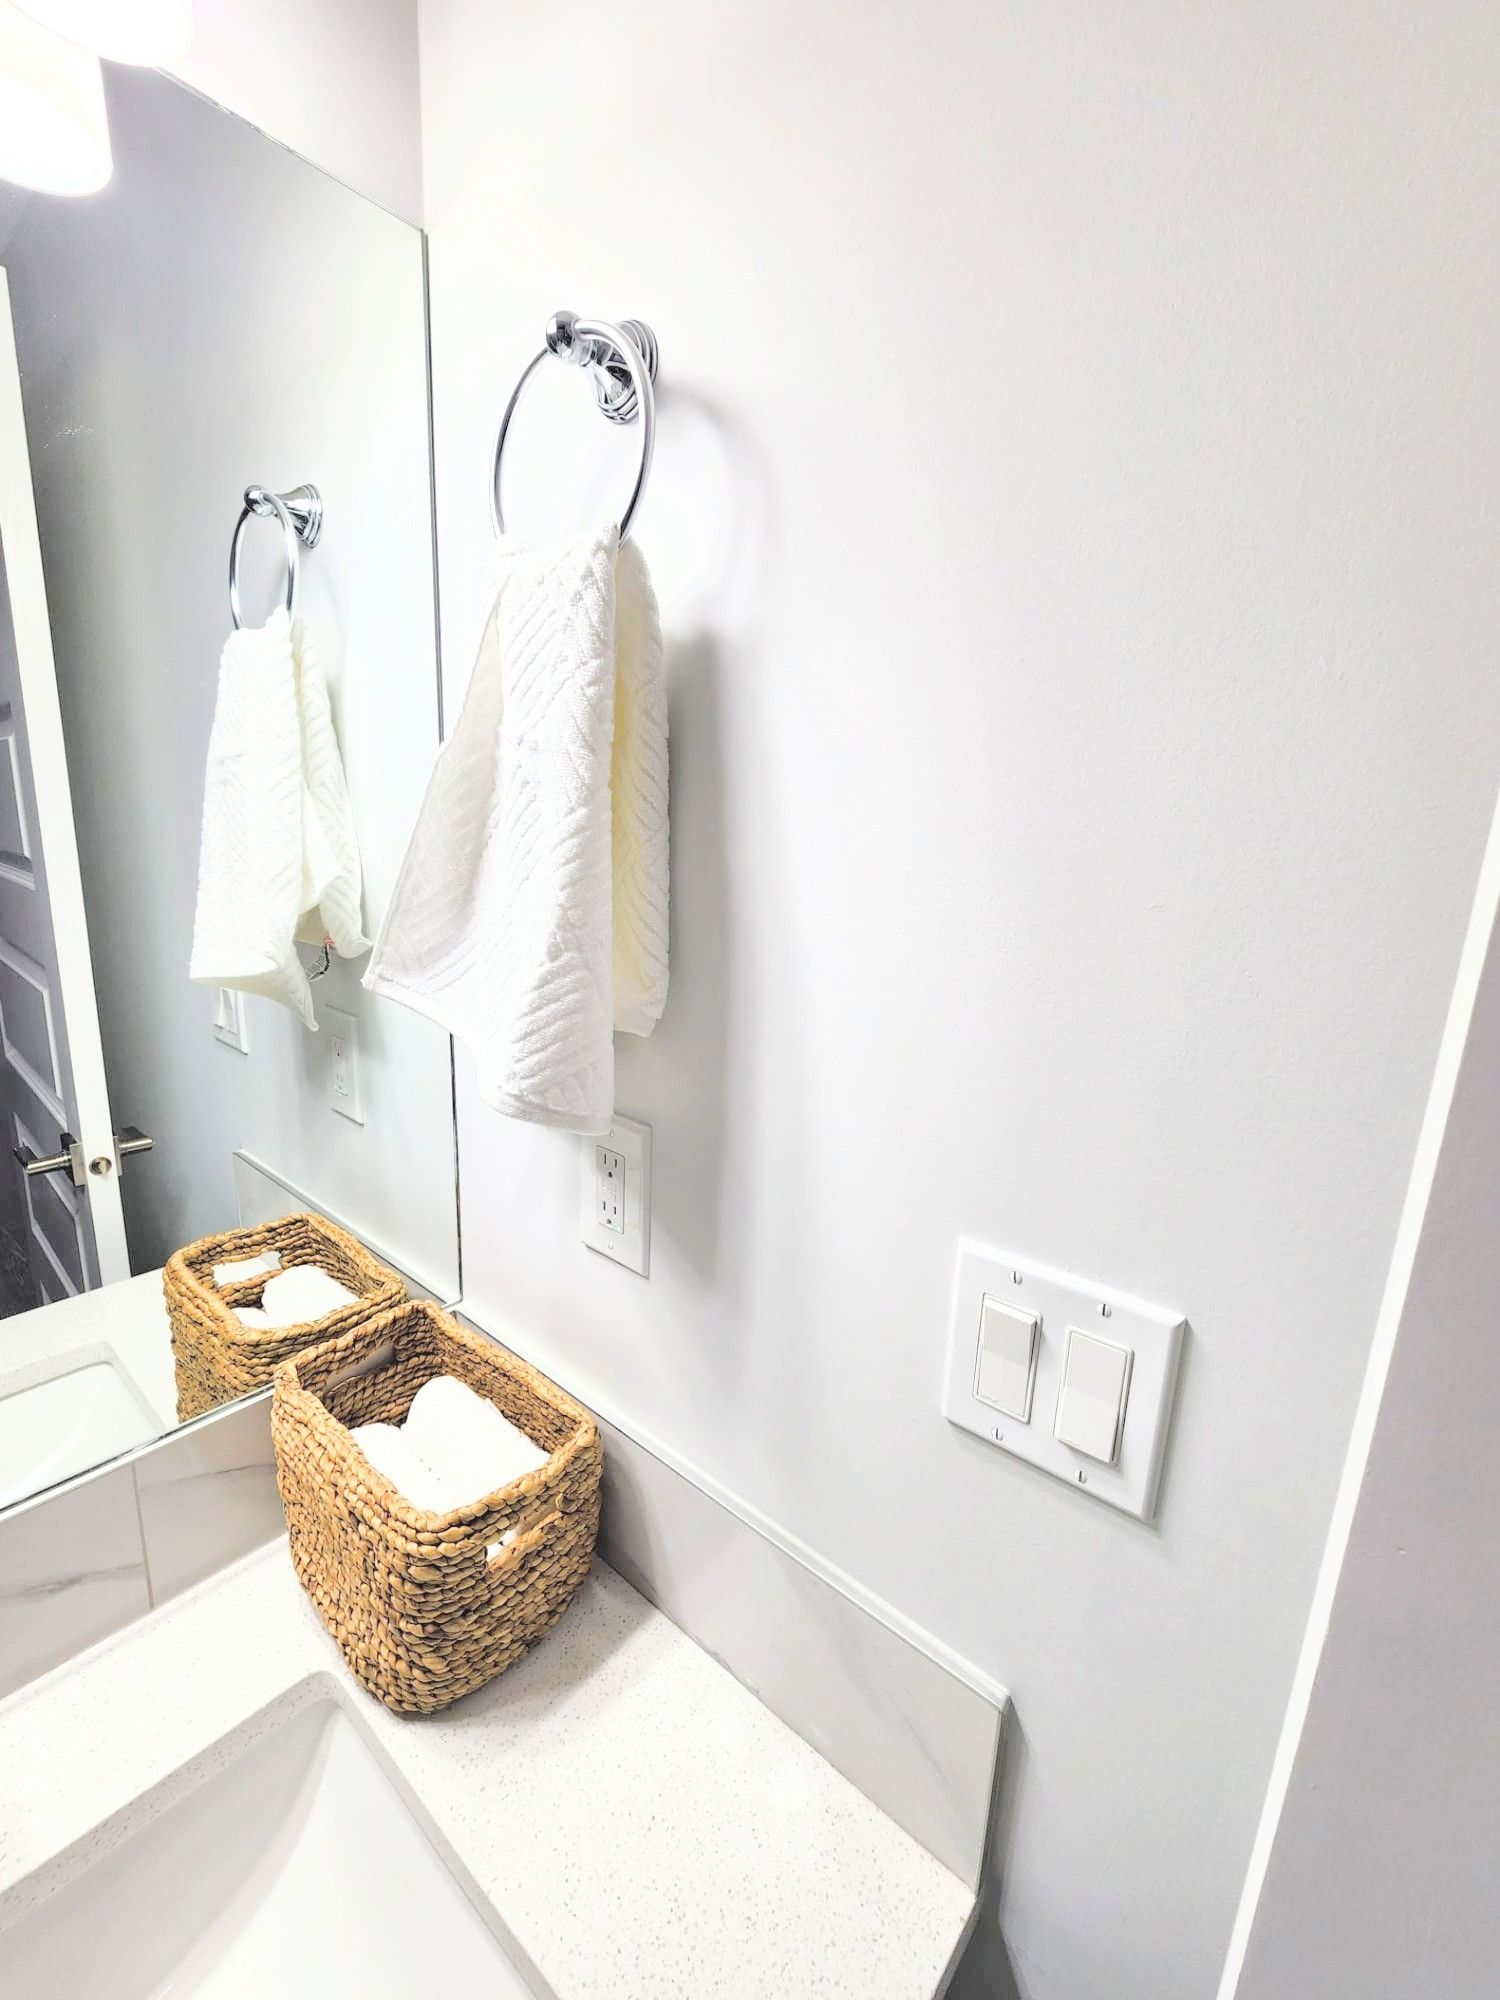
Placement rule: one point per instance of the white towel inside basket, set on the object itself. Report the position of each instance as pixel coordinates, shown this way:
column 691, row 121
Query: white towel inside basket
column 454, row 1448
column 388, row 1449
column 298, row 1296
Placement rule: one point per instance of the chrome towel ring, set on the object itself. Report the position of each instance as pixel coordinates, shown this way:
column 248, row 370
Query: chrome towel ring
column 300, row 513
column 621, row 359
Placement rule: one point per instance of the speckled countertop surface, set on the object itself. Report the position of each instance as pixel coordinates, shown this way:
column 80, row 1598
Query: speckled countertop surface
column 629, row 1820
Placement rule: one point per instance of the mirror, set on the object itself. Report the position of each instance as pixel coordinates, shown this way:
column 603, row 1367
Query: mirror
column 222, row 315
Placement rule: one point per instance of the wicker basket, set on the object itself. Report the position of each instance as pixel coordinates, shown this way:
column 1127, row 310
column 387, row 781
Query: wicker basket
column 215, row 1355
column 427, row 1607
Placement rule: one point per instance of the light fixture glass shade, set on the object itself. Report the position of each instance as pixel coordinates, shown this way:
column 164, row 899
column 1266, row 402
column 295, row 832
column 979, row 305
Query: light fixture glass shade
column 54, row 135
column 128, row 31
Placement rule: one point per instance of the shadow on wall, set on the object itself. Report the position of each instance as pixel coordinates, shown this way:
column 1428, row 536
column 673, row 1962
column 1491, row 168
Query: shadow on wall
column 697, row 1027
column 694, row 1077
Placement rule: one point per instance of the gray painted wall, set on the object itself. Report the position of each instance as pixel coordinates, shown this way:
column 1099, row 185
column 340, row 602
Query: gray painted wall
column 1073, row 515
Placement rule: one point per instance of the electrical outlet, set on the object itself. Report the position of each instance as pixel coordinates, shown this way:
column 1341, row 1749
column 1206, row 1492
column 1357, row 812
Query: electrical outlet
column 229, row 1019
column 609, row 1188
column 343, row 1064
column 614, row 1194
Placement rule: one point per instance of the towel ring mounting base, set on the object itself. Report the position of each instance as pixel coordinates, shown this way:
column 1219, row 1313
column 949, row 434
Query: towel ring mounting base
column 604, row 360
column 621, row 360
column 300, row 512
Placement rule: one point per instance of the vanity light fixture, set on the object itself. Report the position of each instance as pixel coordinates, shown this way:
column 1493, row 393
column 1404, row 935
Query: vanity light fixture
column 127, row 31
column 54, row 135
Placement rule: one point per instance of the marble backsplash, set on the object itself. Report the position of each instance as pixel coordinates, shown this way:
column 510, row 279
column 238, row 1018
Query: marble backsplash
column 80, row 1561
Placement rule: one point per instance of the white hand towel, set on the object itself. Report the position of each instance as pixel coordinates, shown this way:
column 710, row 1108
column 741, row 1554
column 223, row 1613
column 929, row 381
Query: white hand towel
column 530, row 914
column 279, row 863
column 453, row 1449
column 473, row 1448
column 389, row 1451
column 301, row 1293
column 246, row 1267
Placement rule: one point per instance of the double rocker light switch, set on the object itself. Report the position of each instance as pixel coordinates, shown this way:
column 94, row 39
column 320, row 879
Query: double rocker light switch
column 1058, row 1371
column 1005, row 1366
column 1091, row 1401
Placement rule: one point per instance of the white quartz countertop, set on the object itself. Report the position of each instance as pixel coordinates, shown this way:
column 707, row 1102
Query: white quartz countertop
column 628, row 1819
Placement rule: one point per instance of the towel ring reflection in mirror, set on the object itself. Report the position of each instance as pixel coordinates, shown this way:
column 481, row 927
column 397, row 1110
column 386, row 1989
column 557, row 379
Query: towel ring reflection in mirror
column 300, row 513
column 621, row 359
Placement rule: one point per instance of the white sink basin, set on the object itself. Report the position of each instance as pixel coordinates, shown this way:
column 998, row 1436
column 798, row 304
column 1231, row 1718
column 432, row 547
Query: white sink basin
column 50, row 1430
column 296, row 1872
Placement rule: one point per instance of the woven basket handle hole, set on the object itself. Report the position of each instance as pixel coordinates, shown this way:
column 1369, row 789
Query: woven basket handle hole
column 372, row 1364
column 511, row 1553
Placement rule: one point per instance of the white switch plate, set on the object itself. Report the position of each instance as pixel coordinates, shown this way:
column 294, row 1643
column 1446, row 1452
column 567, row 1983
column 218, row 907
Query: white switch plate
column 343, row 1064
column 229, row 1019
column 1152, row 1334
column 614, row 1194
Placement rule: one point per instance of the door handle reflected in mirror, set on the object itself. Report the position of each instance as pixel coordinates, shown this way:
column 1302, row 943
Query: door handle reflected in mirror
column 129, row 1139
column 69, row 1157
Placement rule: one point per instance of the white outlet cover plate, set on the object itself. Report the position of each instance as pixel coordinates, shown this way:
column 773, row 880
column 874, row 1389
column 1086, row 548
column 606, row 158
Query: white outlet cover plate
column 1152, row 1333
column 632, row 1246
column 342, row 1031
column 229, row 1019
